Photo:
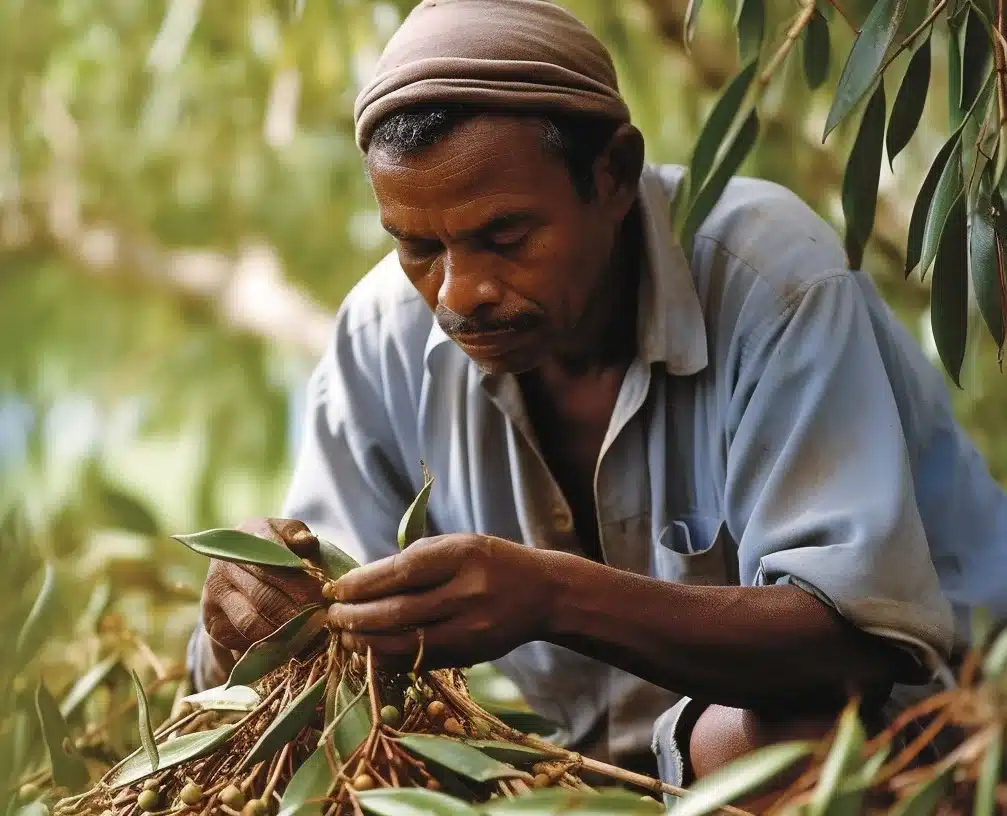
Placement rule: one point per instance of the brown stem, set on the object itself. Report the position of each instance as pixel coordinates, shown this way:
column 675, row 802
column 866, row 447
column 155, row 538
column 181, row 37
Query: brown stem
column 807, row 12
column 939, row 6
column 842, row 14
column 275, row 778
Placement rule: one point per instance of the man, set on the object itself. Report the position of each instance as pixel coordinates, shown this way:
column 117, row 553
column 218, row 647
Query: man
column 726, row 487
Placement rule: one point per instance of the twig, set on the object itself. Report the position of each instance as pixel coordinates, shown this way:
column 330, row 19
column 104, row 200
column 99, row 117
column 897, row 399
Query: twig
column 807, row 12
column 939, row 6
column 275, row 778
column 419, row 652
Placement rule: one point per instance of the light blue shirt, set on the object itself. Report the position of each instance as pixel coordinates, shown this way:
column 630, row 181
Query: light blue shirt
column 778, row 424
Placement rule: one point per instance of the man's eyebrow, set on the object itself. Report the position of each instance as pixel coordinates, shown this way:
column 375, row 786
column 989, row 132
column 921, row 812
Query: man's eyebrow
column 500, row 222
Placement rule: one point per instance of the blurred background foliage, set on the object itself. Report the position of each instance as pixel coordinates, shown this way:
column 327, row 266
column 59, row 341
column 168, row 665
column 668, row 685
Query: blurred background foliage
column 182, row 208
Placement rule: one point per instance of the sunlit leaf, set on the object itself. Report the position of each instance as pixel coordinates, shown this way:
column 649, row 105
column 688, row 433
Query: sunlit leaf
column 907, row 109
column 413, row 525
column 36, row 626
column 172, row 753
column 288, row 723
column 335, row 562
column 240, row 547
column 984, row 263
column 996, row 658
column 413, row 802
column 86, row 684
column 816, row 50
column 508, row 752
column 985, row 801
column 924, row 202
column 717, row 182
column 925, row 799
column 31, row 809
column 276, row 649
column 573, row 803
column 843, row 756
column 949, row 292
column 309, row 785
column 143, row 723
column 950, row 188
column 527, row 722
column 68, row 768
column 860, row 181
column 741, row 777
column 750, row 23
column 458, row 757
column 101, row 597
column 956, row 35
column 353, row 711
column 222, row 698
column 975, row 58
column 865, row 58
column 981, row 626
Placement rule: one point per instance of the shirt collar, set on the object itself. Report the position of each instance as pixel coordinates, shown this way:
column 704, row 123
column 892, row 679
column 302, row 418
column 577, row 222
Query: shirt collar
column 671, row 326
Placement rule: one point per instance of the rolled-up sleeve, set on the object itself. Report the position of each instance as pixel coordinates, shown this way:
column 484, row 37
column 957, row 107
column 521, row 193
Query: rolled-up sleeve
column 819, row 487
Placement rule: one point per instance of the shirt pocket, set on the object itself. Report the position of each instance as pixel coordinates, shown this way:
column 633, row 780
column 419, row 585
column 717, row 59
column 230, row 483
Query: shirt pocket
column 696, row 550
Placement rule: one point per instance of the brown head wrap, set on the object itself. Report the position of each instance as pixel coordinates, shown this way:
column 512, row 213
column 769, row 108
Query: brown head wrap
column 520, row 55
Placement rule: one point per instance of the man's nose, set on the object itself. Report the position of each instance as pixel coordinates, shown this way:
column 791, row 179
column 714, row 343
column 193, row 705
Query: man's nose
column 468, row 284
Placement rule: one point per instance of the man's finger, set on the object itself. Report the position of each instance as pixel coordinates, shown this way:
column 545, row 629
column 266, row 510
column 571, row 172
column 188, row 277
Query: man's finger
column 396, row 612
column 425, row 563
column 444, row 644
column 290, row 533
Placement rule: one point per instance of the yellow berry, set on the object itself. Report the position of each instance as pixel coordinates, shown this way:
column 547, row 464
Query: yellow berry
column 151, row 784
column 541, row 781
column 363, row 782
column 191, row 794
column 435, row 709
column 232, row 797
column 433, row 784
column 147, row 800
column 452, row 726
column 329, row 591
column 256, row 807
column 390, row 716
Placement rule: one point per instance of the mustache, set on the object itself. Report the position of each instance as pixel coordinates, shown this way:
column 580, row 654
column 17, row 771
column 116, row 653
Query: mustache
column 452, row 323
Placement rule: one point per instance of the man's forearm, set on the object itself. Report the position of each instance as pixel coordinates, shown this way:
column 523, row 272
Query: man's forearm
column 746, row 647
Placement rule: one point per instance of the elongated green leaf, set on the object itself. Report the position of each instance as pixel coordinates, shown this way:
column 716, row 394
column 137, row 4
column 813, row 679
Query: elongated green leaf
column 527, row 722
column 691, row 21
column 716, row 128
column 35, row 628
column 860, row 182
column 276, row 649
column 816, row 50
column 866, row 56
column 458, row 757
column 413, row 802
column 741, row 777
column 288, row 724
column 413, row 525
column 996, row 658
column 981, row 626
column 143, row 723
column 86, row 684
column 956, row 35
column 717, row 182
column 924, row 800
column 172, row 753
column 910, row 100
column 68, row 768
column 335, row 562
column 572, row 803
column 750, row 22
column 222, row 698
column 312, row 782
column 864, row 777
column 844, row 755
column 985, row 268
column 949, row 293
column 975, row 58
column 949, row 190
column 924, row 203
column 100, row 598
column 239, row 547
column 985, row 801
column 354, row 713
column 508, row 752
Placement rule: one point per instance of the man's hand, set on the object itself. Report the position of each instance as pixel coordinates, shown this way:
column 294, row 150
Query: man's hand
column 242, row 603
column 475, row 598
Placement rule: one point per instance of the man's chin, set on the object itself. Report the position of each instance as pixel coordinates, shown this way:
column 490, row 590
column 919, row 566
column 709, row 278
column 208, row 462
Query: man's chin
column 516, row 363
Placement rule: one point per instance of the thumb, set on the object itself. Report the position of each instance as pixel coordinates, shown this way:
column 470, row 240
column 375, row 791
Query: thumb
column 291, row 533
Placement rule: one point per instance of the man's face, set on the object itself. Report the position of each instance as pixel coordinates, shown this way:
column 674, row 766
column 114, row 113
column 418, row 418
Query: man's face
column 492, row 233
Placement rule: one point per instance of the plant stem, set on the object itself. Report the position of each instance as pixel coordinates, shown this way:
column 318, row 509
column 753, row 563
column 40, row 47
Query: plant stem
column 807, row 12
column 275, row 778
column 939, row 6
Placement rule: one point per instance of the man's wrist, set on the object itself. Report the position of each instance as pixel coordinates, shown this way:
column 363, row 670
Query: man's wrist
column 570, row 576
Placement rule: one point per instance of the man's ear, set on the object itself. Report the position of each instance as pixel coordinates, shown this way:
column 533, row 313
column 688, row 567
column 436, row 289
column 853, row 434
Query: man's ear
column 618, row 169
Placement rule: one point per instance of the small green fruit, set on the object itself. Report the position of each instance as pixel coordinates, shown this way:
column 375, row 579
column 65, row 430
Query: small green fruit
column 481, row 728
column 390, row 716
column 191, row 794
column 363, row 782
column 29, row 792
column 147, row 800
column 151, row 784
column 232, row 797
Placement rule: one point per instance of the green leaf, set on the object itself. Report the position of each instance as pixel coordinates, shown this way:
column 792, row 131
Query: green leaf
column 716, row 128
column 413, row 802
column 288, row 724
column 949, row 292
column 508, row 751
column 413, row 525
column 925, row 799
column 691, row 21
column 241, row 548
column 741, row 777
column 864, row 777
column 527, row 722
column 860, row 181
column 335, row 562
column 956, row 31
column 458, row 757
column 312, row 783
column 865, row 59
column 975, row 57
column 172, row 753
column 222, row 698
column 996, row 658
column 816, row 47
column 985, row 800
column 844, row 755
column 68, row 768
column 981, row 626
column 924, row 202
column 718, row 180
column 36, row 626
column 910, row 100
column 86, row 684
column 950, row 189
column 984, row 261
column 573, row 803
column 143, row 722
column 750, row 22
column 276, row 649
column 354, row 714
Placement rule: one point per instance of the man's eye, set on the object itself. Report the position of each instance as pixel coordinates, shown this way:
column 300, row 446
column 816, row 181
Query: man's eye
column 508, row 240
column 420, row 249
